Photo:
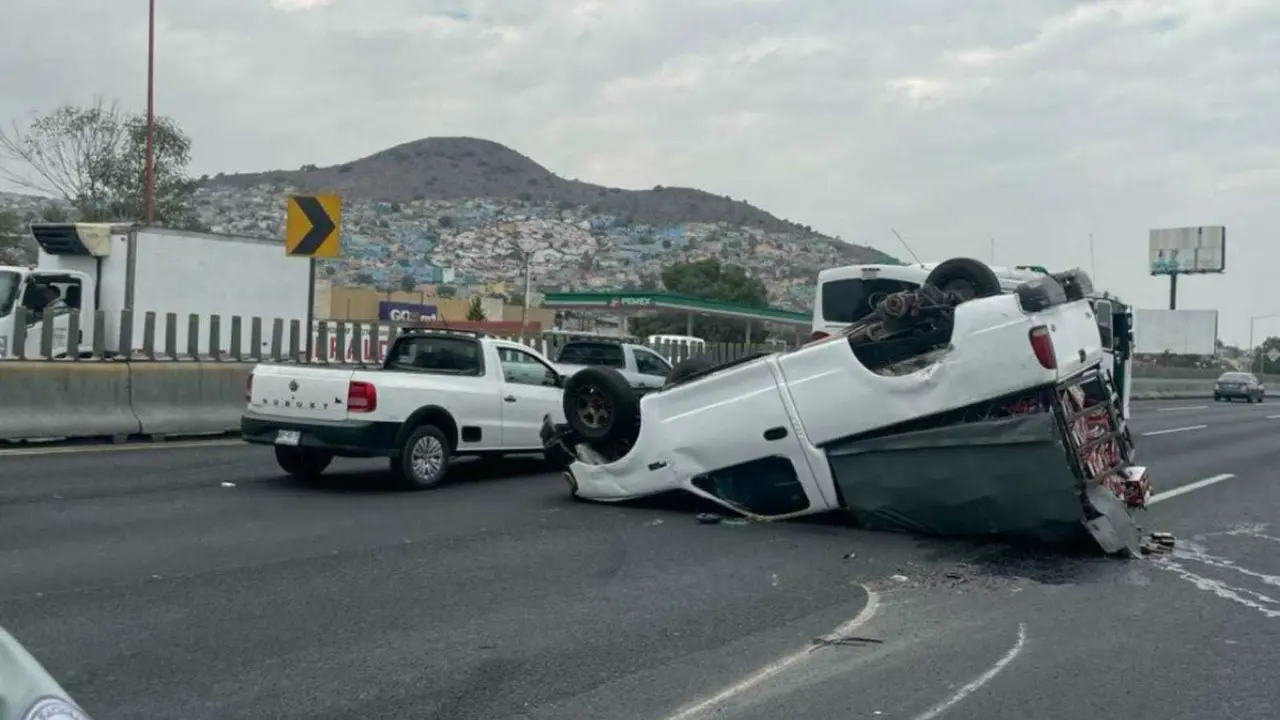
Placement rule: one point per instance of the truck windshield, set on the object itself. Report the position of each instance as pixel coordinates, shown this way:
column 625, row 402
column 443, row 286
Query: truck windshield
column 10, row 281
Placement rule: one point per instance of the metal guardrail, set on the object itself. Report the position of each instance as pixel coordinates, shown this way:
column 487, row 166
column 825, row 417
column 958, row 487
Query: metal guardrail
column 174, row 337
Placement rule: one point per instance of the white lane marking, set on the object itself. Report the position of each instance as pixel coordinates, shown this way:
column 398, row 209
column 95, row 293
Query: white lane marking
column 1193, row 552
column 981, row 680
column 1174, row 430
column 1189, row 487
column 139, row 447
column 1223, row 590
column 1183, row 407
column 1273, row 417
column 868, row 611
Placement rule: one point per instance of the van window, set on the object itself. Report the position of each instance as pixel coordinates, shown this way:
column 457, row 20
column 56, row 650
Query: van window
column 850, row 300
column 9, row 283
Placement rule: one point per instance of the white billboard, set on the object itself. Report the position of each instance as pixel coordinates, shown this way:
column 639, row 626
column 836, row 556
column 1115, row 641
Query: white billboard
column 1188, row 250
column 1181, row 332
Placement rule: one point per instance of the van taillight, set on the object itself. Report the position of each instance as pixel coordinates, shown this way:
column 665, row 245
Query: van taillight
column 362, row 397
column 1042, row 346
column 248, row 389
column 818, row 335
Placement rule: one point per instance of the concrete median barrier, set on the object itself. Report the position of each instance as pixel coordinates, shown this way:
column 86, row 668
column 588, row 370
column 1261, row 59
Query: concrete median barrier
column 65, row 400
column 188, row 398
column 1171, row 388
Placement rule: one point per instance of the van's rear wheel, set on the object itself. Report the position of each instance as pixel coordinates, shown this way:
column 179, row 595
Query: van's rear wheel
column 303, row 463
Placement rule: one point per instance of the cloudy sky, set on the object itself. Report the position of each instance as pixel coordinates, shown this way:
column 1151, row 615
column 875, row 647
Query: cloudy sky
column 1030, row 122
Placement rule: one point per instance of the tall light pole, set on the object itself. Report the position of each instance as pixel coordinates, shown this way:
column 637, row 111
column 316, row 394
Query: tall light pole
column 526, row 256
column 1252, row 352
column 148, row 201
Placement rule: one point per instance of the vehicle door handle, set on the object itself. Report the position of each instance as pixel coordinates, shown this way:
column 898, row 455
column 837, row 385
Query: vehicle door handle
column 510, row 398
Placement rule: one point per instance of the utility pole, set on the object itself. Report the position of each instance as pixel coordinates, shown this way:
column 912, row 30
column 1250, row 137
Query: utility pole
column 1093, row 268
column 526, row 255
column 149, row 192
column 1253, row 354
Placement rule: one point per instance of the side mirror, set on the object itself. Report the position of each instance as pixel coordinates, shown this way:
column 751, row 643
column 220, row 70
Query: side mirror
column 559, row 381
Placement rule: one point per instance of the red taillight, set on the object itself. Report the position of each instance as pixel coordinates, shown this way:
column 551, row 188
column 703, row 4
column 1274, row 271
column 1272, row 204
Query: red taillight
column 362, row 397
column 818, row 335
column 1042, row 346
column 248, row 389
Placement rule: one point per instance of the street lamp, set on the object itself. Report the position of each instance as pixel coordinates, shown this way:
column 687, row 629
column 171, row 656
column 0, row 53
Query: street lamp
column 526, row 259
column 148, row 195
column 1252, row 351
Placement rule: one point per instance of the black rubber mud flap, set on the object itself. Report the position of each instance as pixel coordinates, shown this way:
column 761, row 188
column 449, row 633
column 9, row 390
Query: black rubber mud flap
column 600, row 405
column 966, row 277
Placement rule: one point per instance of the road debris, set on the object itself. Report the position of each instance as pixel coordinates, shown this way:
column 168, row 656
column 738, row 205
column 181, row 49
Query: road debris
column 708, row 518
column 1158, row 543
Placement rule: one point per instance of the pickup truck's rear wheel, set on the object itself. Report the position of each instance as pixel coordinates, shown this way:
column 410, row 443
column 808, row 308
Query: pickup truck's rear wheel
column 303, row 463
column 600, row 405
column 965, row 277
column 424, row 459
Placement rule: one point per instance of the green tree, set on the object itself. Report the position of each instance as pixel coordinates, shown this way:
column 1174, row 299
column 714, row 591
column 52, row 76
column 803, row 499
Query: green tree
column 475, row 312
column 711, row 280
column 94, row 158
column 1261, row 363
column 447, row 292
column 407, row 283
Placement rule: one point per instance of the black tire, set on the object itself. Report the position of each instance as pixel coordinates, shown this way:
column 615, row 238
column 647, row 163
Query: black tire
column 968, row 278
column 424, row 459
column 303, row 463
column 685, row 368
column 600, row 405
column 1217, row 398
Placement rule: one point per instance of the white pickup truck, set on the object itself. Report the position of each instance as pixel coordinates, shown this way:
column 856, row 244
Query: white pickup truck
column 440, row 394
column 643, row 368
column 981, row 413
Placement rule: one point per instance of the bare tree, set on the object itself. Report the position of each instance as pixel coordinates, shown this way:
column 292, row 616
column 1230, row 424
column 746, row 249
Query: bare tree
column 93, row 157
column 67, row 153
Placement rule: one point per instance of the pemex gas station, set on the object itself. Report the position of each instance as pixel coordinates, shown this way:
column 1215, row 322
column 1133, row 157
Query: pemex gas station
column 628, row 303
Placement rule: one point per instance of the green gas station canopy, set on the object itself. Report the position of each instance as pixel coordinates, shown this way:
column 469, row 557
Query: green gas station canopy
column 640, row 301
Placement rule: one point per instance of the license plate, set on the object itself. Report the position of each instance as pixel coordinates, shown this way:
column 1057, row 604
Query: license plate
column 287, row 437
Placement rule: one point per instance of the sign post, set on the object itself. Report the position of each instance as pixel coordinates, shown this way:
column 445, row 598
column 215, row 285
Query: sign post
column 1187, row 251
column 312, row 229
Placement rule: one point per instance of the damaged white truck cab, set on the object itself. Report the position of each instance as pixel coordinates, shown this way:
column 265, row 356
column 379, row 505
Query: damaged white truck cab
column 956, row 374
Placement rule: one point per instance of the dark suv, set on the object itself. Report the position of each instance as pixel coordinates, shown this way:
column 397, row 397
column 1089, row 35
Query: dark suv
column 1233, row 385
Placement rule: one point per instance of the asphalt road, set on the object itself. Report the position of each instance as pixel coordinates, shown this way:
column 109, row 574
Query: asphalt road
column 195, row 582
